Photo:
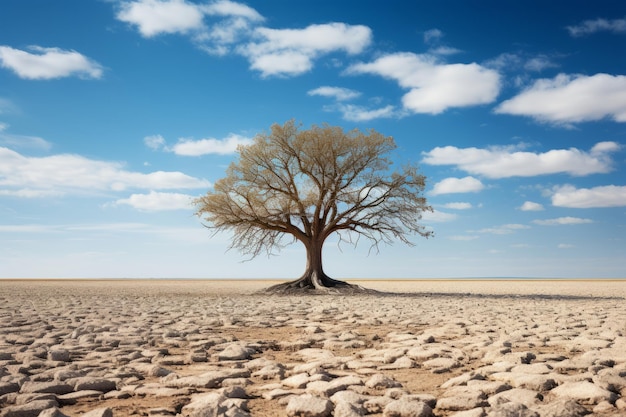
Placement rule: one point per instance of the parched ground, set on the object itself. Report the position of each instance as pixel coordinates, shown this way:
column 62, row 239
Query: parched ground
column 157, row 348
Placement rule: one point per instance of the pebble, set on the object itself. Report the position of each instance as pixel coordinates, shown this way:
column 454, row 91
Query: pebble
column 201, row 353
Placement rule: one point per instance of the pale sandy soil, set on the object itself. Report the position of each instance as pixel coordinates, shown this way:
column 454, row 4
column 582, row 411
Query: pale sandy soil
column 107, row 326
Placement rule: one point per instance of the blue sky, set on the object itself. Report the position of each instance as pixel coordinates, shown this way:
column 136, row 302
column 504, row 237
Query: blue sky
column 115, row 114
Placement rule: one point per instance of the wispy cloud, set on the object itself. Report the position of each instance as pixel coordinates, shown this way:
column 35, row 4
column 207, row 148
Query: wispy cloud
column 158, row 201
column 502, row 162
column 458, row 206
column 191, row 147
column 48, row 63
column 66, row 173
column 338, row 93
column 562, row 221
column 589, row 27
column 457, row 185
column 595, row 197
column 568, row 99
column 434, row 86
column 505, row 229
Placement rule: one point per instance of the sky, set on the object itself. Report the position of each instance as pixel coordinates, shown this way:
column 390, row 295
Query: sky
column 115, row 115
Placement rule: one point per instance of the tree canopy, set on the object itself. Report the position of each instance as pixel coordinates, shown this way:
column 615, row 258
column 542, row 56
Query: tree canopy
column 304, row 185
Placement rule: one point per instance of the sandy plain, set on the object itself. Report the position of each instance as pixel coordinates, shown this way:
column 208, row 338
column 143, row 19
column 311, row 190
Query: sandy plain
column 212, row 348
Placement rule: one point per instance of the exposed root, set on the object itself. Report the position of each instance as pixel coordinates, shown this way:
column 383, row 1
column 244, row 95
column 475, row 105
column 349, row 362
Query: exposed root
column 330, row 286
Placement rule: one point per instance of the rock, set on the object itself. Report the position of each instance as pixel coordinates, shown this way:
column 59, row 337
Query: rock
column 309, row 406
column 52, row 387
column 516, row 395
column 512, row 410
column 99, row 412
column 52, row 412
column 347, row 409
column 235, row 352
column 297, row 381
column 30, row 409
column 59, row 355
column 403, row 362
column 474, row 412
column 381, row 381
column 461, row 398
column 406, row 408
column 93, row 384
column 584, row 392
column 209, row 405
column 73, row 397
column 7, row 387
column 441, row 365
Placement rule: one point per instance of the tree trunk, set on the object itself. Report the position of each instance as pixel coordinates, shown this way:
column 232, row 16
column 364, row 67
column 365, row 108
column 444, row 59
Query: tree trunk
column 314, row 277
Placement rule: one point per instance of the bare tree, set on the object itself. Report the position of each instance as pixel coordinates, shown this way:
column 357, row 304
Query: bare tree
column 304, row 185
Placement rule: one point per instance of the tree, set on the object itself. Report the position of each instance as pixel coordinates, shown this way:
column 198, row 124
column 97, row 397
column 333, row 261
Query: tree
column 304, row 185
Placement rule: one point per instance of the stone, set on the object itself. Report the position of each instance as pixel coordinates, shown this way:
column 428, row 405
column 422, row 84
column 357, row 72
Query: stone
column 235, row 352
column 512, row 409
column 381, row 381
column 52, row 387
column 309, row 406
column 52, row 412
column 59, row 355
column 474, row 412
column 407, row 408
column 99, row 412
column 95, row 384
column 73, row 397
column 461, row 398
column 584, row 392
column 516, row 395
column 7, row 387
column 30, row 409
column 205, row 405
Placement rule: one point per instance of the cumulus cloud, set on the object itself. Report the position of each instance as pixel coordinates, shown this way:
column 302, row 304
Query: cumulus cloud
column 154, row 17
column 596, row 197
column 589, row 27
column 531, row 206
column 338, row 93
column 562, row 221
column 457, row 185
column 154, row 142
column 568, row 99
column 158, row 201
column 66, row 173
column 288, row 52
column 48, row 63
column 504, row 162
column 434, row 86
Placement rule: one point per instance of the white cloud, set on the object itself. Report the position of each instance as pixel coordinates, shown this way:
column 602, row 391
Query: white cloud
column 355, row 113
column 531, row 206
column 438, row 217
column 48, row 63
column 458, row 206
column 338, row 93
column 231, row 8
column 157, row 201
column 154, row 142
column 503, row 162
column 64, row 173
column 288, row 52
column 589, row 27
column 565, row 246
column 432, row 35
column 434, row 86
column 562, row 221
column 463, row 238
column 457, row 185
column 505, row 229
column 22, row 141
column 601, row 196
column 568, row 99
column 228, row 145
column 154, row 17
